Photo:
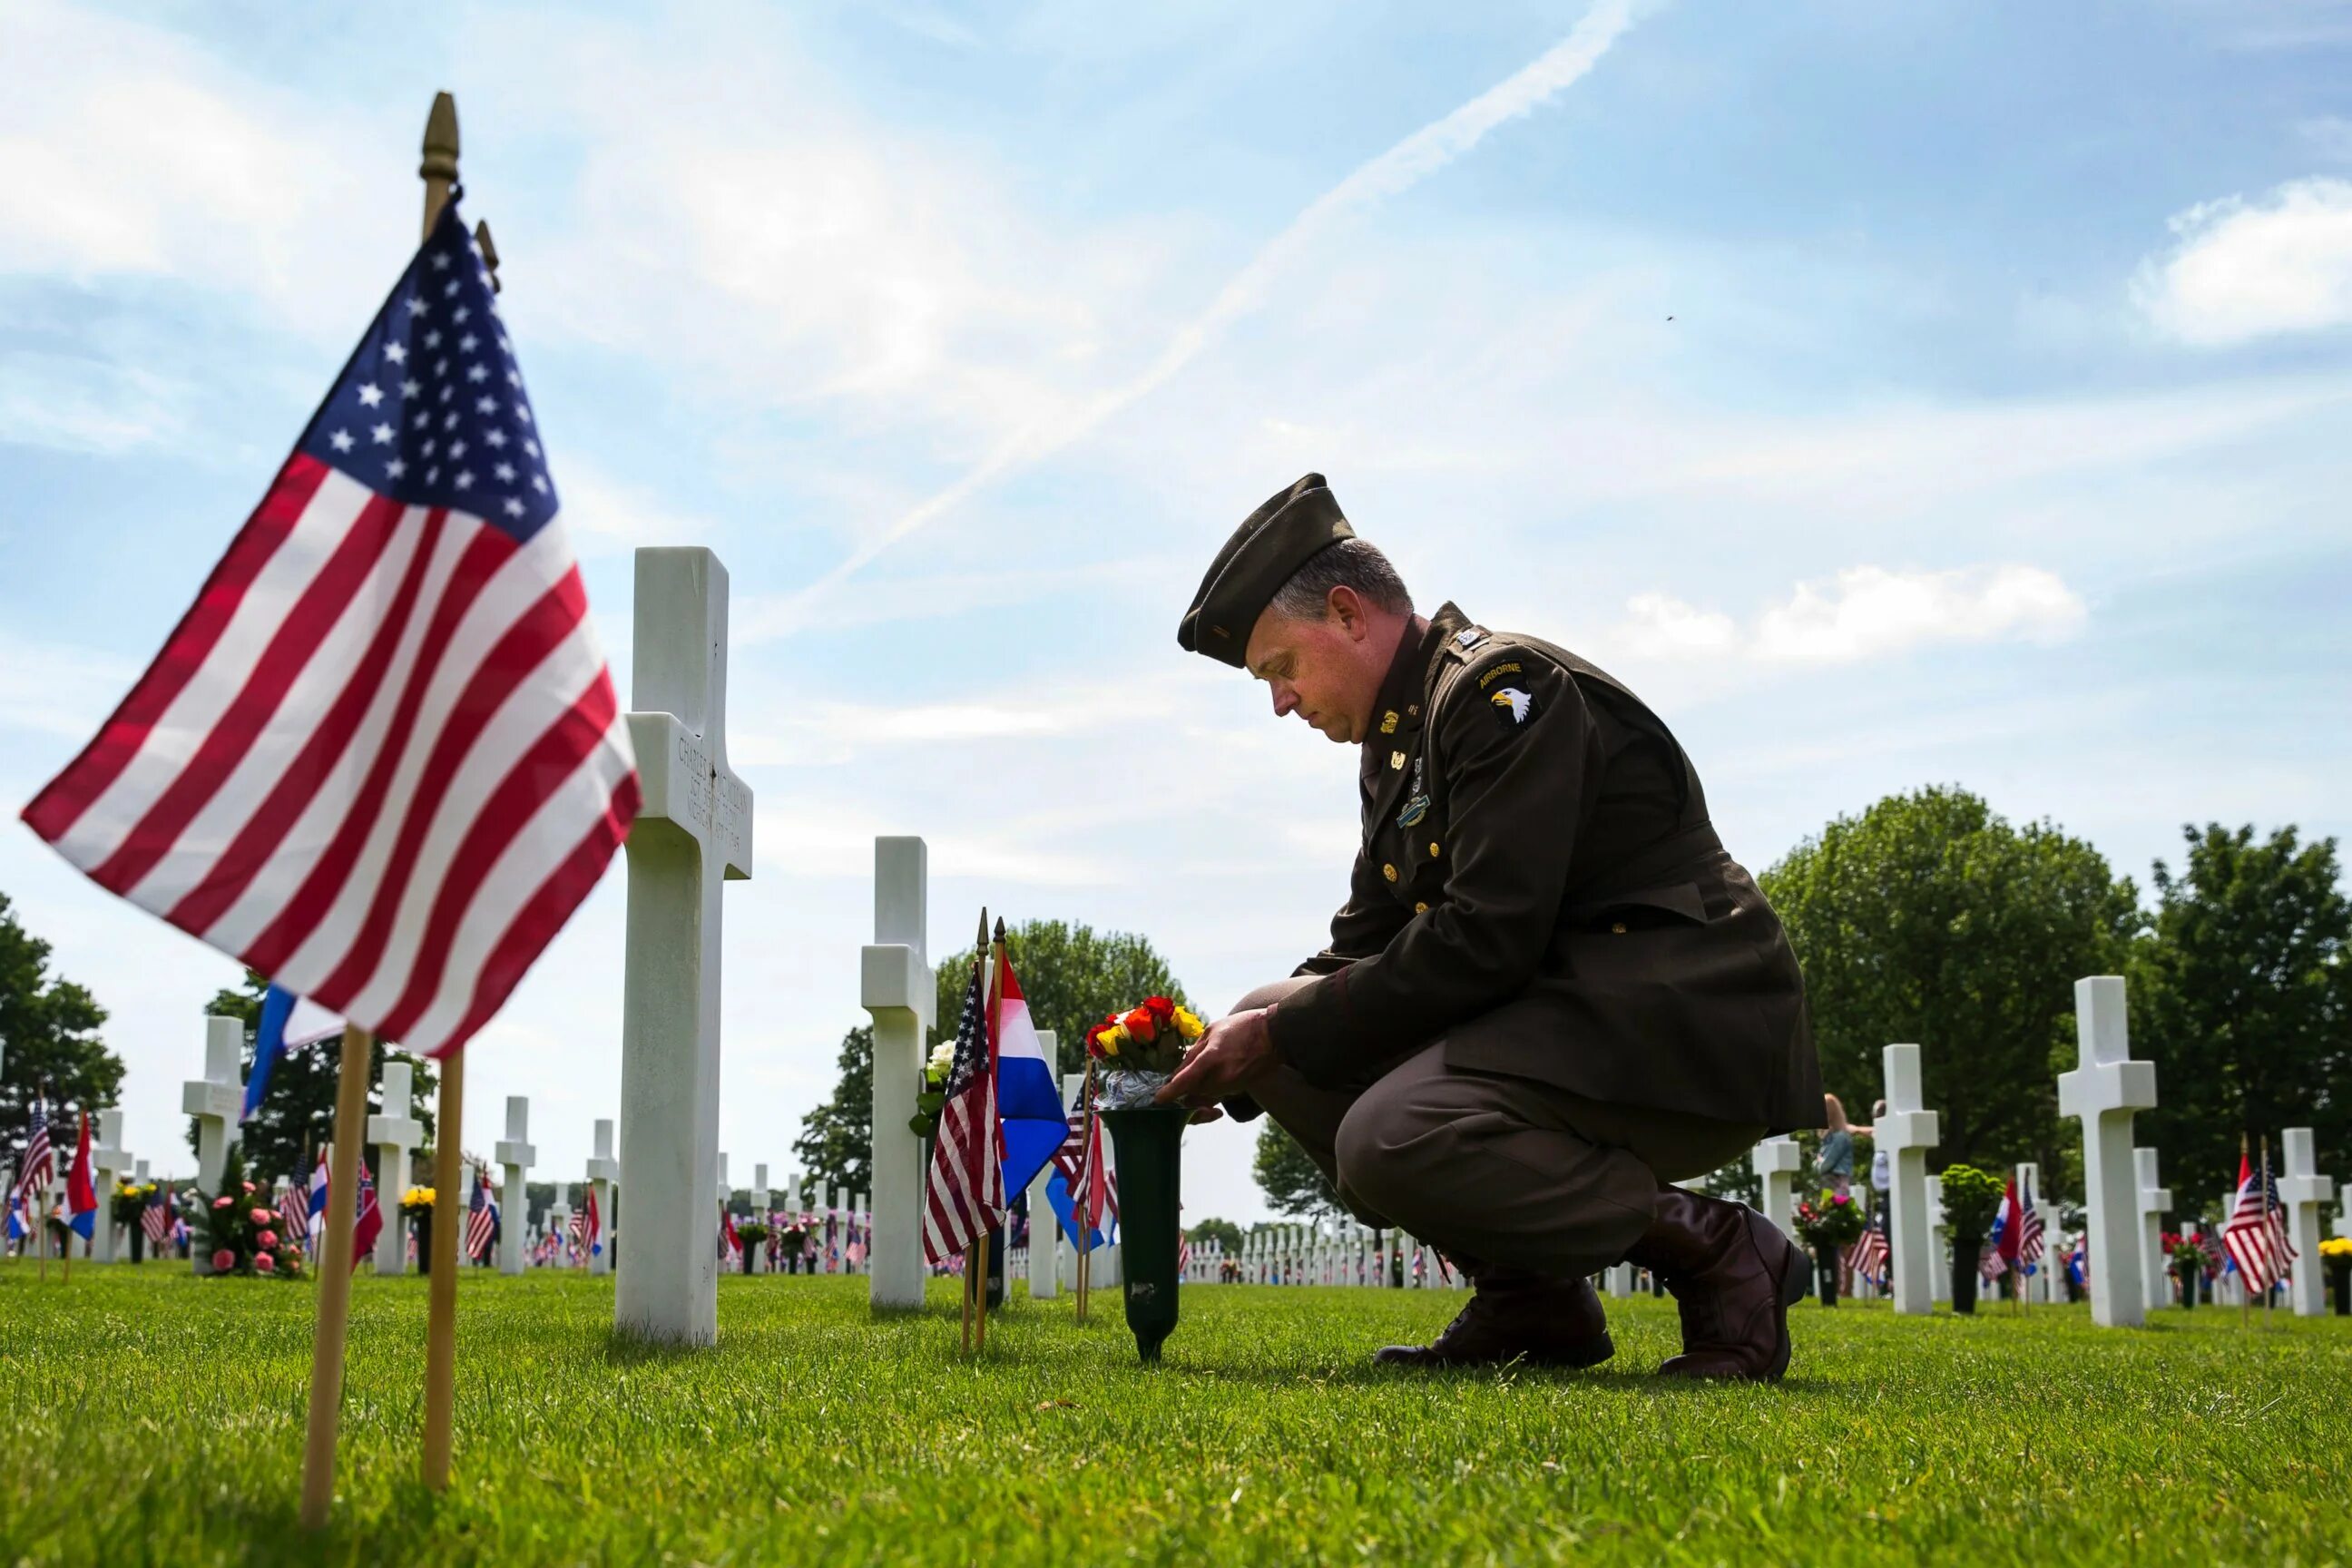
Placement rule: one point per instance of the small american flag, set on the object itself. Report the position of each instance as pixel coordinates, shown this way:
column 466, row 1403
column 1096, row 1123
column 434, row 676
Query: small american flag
column 40, row 1166
column 1868, row 1256
column 157, row 1221
column 380, row 759
column 965, row 1192
column 370, row 1223
column 2253, row 1235
column 2030, row 1229
column 481, row 1217
column 294, row 1213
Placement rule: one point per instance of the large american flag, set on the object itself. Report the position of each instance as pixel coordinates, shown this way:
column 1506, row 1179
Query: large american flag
column 965, row 1193
column 380, row 759
column 40, row 1164
column 2254, row 1234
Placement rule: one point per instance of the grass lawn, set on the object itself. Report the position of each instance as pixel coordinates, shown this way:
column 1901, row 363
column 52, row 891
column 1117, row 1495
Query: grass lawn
column 152, row 1417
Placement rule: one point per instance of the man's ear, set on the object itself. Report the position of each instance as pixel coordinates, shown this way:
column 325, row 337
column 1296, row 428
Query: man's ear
column 1346, row 608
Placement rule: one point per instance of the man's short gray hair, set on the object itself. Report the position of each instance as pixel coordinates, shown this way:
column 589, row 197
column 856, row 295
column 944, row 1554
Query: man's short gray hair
column 1354, row 564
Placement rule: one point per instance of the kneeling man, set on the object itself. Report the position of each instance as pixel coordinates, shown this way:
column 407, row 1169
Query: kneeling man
column 1550, row 995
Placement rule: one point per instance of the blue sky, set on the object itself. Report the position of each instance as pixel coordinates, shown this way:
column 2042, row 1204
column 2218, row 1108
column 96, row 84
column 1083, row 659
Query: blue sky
column 1995, row 437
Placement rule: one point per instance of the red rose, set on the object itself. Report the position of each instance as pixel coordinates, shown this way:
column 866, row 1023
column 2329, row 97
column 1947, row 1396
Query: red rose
column 1141, row 1024
column 1161, row 1008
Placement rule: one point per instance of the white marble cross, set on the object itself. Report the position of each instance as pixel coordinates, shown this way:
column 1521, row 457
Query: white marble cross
column 1777, row 1160
column 759, row 1207
column 1905, row 1131
column 1939, row 1265
column 110, row 1163
column 559, row 1225
column 515, row 1157
column 216, row 1100
column 896, row 985
column 603, row 1176
column 2105, row 1092
column 692, row 835
column 2303, row 1189
column 395, row 1134
column 2155, row 1203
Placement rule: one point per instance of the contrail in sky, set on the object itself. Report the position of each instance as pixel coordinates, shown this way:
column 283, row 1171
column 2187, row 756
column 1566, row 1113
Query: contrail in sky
column 1398, row 170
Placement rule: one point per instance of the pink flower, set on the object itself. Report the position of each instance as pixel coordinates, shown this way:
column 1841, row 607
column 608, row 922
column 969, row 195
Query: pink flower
column 259, row 1216
column 248, row 1186
column 267, row 1239
column 265, row 1264
column 223, row 1201
column 223, row 1260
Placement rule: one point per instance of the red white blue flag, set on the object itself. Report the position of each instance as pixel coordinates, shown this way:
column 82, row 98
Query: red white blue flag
column 380, row 759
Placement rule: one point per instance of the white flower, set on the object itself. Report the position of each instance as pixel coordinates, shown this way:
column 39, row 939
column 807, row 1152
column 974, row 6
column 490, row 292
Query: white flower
column 942, row 1059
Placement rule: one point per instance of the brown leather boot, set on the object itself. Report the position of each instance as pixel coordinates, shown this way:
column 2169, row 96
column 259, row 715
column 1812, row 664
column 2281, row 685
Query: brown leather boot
column 1513, row 1316
column 1733, row 1275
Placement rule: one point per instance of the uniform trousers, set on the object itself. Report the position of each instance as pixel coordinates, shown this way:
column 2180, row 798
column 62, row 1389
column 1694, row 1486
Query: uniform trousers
column 1501, row 1174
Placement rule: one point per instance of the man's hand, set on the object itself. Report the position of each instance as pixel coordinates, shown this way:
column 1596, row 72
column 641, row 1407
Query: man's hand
column 1236, row 1048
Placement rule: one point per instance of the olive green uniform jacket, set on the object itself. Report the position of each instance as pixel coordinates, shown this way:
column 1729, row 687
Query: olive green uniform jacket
column 1540, row 885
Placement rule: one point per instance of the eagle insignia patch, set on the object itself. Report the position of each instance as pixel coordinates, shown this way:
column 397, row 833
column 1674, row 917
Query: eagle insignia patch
column 1513, row 707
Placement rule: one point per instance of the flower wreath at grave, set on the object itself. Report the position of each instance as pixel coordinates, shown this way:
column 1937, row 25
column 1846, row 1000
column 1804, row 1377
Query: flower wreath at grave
column 416, row 1203
column 1137, row 1050
column 1835, row 1220
column 240, row 1231
column 1971, row 1197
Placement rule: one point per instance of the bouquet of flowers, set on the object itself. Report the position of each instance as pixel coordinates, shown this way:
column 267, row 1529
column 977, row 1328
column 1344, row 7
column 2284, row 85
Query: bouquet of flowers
column 1833, row 1220
column 933, row 1098
column 1137, row 1050
column 240, row 1231
column 129, row 1204
column 415, row 1203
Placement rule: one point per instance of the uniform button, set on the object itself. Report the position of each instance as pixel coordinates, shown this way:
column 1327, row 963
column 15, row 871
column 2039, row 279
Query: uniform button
column 1421, row 909
column 1433, row 849
column 1618, row 928
column 1390, row 872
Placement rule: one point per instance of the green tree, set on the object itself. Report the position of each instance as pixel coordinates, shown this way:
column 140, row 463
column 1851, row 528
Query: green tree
column 2244, row 1003
column 1929, row 918
column 1223, row 1232
column 297, row 1115
column 1292, row 1181
column 48, row 1026
column 837, row 1141
column 1071, row 975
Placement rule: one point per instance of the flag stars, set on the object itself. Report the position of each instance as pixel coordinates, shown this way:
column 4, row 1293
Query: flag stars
column 411, row 387
column 478, row 372
column 523, row 412
column 495, row 436
column 341, row 440
column 539, row 484
column 433, row 340
column 440, row 260
column 395, row 469
column 421, row 421
column 485, row 404
column 465, row 480
column 530, row 446
column 441, row 366
column 456, row 449
column 513, row 507
column 449, row 289
column 506, row 473
column 459, row 315
column 371, row 394
column 417, row 307
column 433, row 475
column 396, row 352
column 469, row 344
column 381, row 435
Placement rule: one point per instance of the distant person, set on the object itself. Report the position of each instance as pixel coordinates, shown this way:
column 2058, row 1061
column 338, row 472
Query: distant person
column 1834, row 1163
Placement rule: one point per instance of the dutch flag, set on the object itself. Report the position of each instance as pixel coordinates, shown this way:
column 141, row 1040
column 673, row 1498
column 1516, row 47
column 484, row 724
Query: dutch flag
column 1029, row 1118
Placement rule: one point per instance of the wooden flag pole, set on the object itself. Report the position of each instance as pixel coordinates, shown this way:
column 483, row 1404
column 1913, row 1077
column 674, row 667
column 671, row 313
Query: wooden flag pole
column 1084, row 1206
column 441, row 1301
column 978, row 955
column 2244, row 1306
column 995, row 996
column 335, row 1264
column 2270, row 1292
column 439, row 172
column 40, row 1215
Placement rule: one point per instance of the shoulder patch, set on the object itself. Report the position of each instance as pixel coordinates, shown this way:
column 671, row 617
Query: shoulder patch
column 1496, row 671
column 1469, row 638
column 1513, row 707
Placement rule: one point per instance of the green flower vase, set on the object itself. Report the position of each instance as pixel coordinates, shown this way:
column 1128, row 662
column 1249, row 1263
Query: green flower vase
column 1147, row 1143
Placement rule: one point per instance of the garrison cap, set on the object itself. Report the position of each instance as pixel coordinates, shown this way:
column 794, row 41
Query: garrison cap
column 1274, row 542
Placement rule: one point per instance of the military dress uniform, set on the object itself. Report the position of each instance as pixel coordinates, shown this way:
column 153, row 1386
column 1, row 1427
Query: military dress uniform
column 1551, row 991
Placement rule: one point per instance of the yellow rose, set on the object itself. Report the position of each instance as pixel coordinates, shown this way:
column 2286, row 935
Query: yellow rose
column 1189, row 1027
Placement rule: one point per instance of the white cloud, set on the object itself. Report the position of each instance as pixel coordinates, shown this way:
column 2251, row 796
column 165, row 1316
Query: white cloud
column 59, row 688
column 1864, row 612
column 87, row 405
column 2245, row 269
column 133, row 152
